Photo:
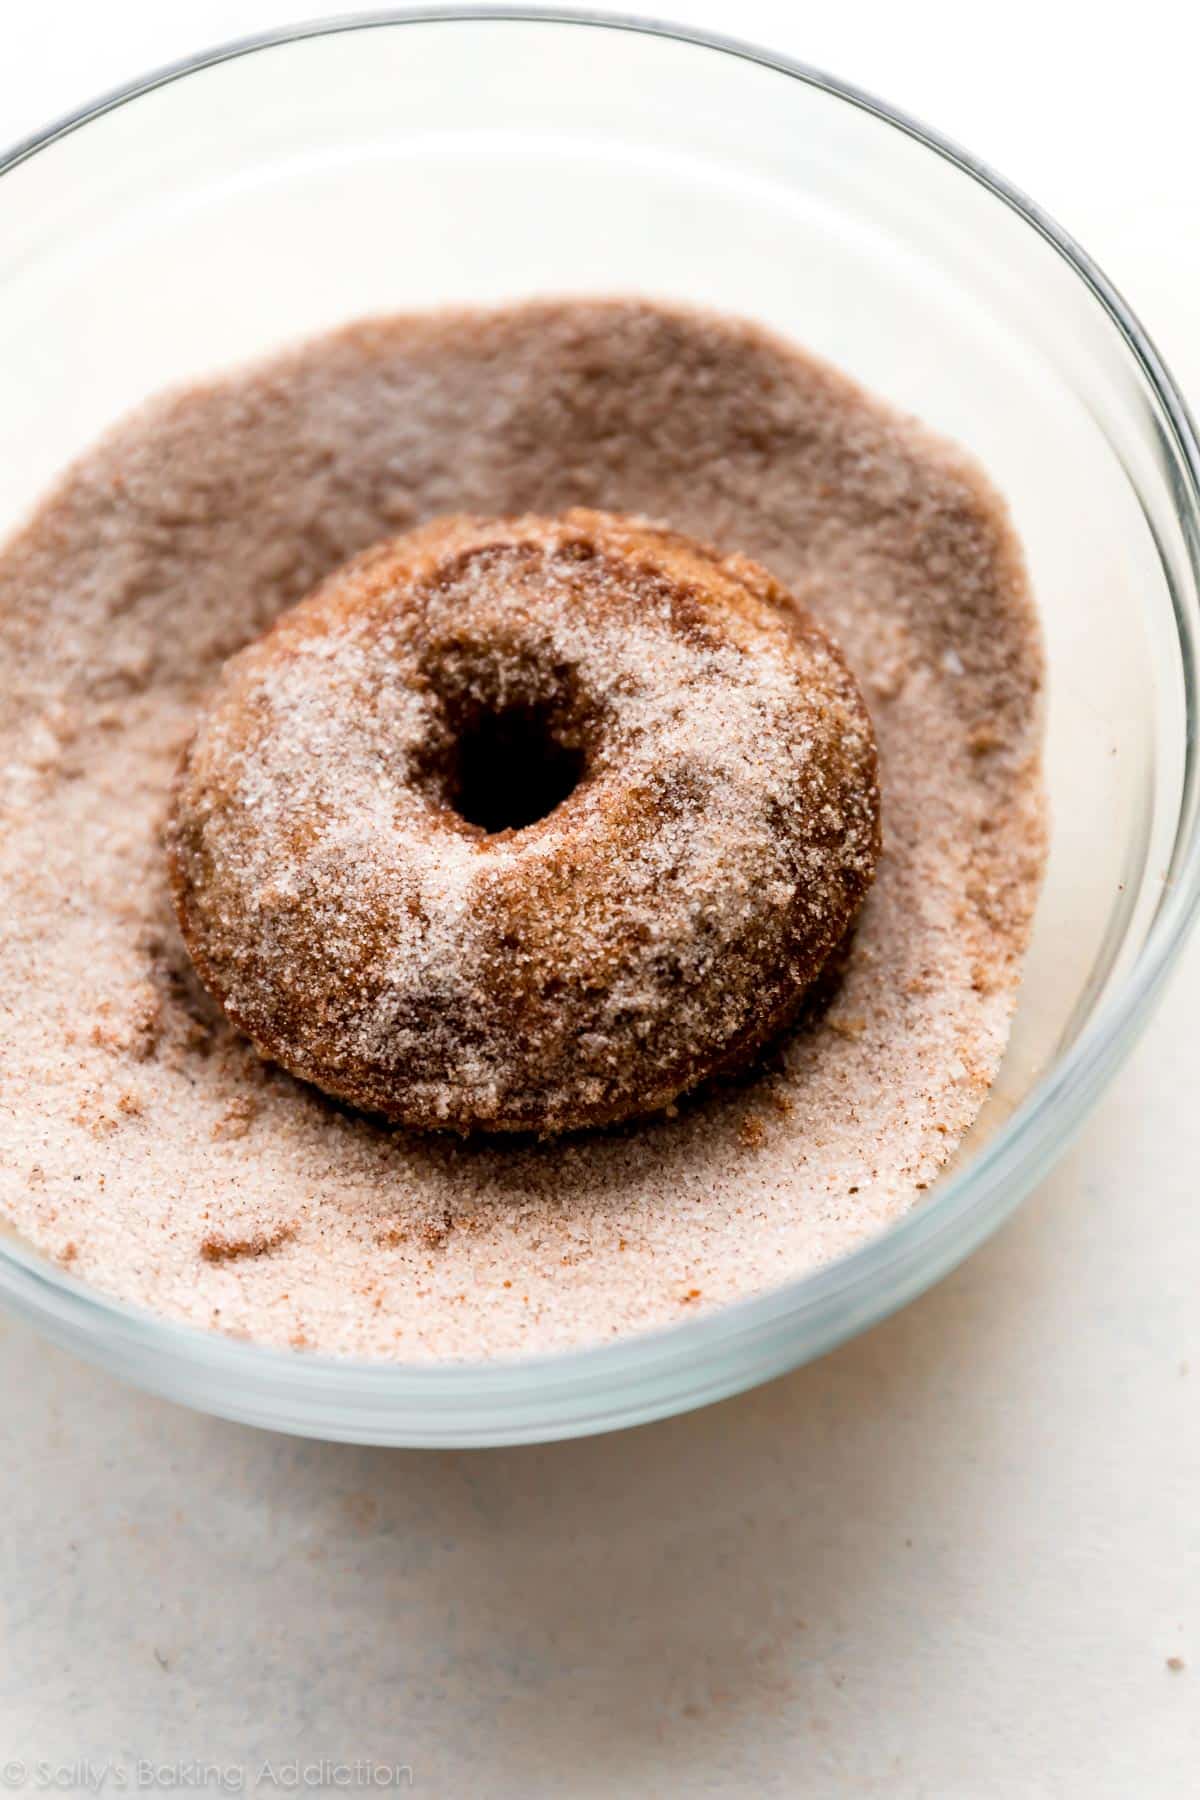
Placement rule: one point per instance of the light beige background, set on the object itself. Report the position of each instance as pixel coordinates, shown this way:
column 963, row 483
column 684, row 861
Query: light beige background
column 950, row 1561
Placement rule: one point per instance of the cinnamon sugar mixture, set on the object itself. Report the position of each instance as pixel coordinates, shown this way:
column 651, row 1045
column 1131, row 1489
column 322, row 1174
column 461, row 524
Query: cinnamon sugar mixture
column 146, row 1146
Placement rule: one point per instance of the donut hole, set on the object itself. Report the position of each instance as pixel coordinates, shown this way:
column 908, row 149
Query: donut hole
column 511, row 767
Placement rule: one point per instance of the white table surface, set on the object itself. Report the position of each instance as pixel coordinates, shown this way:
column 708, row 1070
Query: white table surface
column 955, row 1559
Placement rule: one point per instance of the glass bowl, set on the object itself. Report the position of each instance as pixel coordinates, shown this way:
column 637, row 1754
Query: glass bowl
column 223, row 207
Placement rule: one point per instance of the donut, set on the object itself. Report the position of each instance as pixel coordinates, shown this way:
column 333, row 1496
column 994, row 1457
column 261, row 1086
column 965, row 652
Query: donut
column 525, row 824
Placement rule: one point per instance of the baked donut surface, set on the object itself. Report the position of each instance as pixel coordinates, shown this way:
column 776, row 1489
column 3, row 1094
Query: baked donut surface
column 525, row 824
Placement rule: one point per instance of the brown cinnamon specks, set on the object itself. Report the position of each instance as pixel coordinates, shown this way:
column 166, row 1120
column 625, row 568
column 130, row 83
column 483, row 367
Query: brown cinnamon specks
column 217, row 1249
column 237, row 1118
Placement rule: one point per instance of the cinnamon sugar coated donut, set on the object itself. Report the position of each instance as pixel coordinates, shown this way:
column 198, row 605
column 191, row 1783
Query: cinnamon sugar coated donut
column 525, row 824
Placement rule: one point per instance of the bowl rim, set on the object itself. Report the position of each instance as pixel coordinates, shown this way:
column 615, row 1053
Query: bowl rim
column 670, row 1369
